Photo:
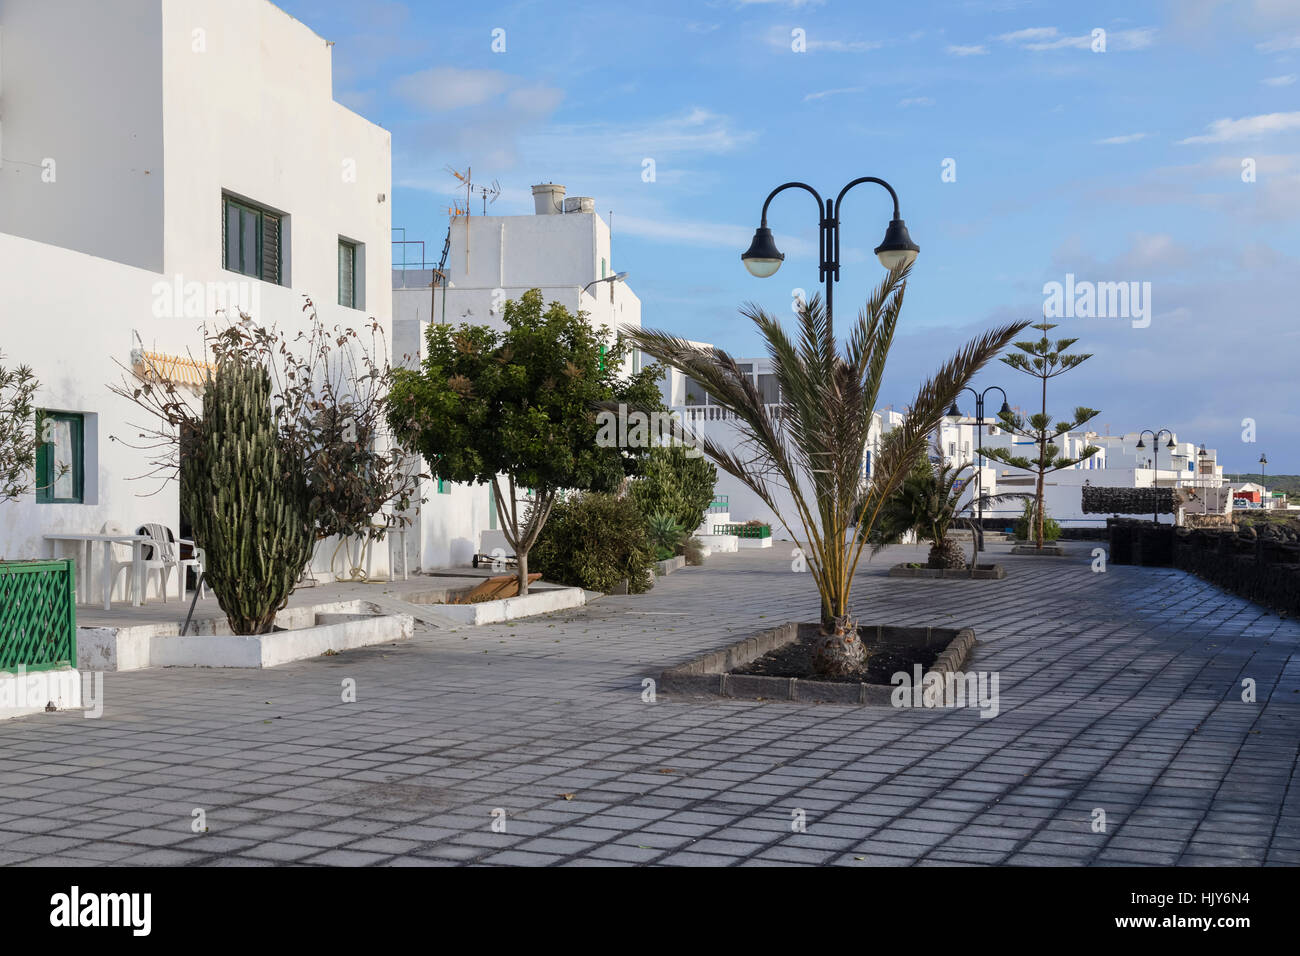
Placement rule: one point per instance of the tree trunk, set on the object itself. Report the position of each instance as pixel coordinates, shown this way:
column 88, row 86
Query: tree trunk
column 523, row 572
column 839, row 652
column 946, row 554
column 1038, row 512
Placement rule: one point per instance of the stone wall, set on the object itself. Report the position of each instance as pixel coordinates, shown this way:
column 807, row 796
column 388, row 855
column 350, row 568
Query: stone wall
column 1264, row 568
column 1128, row 501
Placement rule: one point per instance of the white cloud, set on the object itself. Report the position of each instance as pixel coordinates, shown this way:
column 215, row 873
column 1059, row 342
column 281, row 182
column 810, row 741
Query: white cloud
column 447, row 88
column 1050, row 38
column 974, row 49
column 1248, row 127
column 1285, row 80
column 822, row 94
column 1279, row 44
column 695, row 233
column 779, row 38
column 1120, row 140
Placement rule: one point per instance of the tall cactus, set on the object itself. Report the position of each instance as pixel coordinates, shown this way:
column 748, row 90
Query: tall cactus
column 246, row 497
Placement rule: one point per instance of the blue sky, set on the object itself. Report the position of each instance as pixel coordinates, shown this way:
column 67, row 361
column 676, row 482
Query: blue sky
column 1122, row 165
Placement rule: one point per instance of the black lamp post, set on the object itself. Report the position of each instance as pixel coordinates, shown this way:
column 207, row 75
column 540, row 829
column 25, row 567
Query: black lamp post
column 1155, row 465
column 763, row 258
column 955, row 412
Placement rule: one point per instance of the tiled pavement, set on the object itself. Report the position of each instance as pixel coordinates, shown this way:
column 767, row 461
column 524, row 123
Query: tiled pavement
column 1120, row 691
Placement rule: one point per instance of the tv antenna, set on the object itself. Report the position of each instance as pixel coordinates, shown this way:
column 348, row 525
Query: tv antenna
column 487, row 193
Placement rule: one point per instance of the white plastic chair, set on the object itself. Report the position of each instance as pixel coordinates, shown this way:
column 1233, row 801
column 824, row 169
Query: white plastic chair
column 159, row 558
column 112, row 527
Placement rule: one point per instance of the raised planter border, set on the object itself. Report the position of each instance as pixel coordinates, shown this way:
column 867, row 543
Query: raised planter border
column 982, row 572
column 708, row 674
column 211, row 644
column 537, row 601
column 1047, row 550
column 670, row 565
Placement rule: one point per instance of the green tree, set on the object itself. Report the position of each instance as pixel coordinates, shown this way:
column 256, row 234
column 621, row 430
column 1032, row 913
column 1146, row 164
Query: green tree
column 517, row 409
column 817, row 444
column 1043, row 360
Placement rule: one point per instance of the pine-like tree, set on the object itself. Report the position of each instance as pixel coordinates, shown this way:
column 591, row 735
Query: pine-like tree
column 1043, row 360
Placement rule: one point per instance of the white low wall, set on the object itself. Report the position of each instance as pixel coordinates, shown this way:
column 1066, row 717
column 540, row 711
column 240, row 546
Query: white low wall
column 279, row 647
column 541, row 601
column 23, row 693
column 311, row 630
column 719, row 543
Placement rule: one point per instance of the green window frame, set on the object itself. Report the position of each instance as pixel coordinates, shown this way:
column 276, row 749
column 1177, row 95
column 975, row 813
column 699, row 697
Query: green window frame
column 444, row 487
column 348, row 274
column 250, row 240
column 60, row 463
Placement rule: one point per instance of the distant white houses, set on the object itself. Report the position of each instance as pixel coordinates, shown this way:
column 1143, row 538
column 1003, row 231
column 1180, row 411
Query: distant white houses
column 565, row 250
column 160, row 161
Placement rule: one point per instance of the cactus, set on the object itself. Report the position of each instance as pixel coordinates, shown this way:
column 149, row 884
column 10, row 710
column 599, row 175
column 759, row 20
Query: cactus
column 247, row 498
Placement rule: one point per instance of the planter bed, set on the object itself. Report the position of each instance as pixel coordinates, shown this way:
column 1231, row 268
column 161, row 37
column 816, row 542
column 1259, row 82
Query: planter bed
column 1047, row 550
column 670, row 565
column 772, row 664
column 539, row 600
column 982, row 572
column 307, row 631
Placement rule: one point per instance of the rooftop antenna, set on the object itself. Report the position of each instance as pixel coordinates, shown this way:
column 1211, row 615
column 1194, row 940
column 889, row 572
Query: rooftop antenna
column 488, row 194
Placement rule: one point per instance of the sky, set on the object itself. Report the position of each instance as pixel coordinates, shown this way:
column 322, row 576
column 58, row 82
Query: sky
column 1155, row 143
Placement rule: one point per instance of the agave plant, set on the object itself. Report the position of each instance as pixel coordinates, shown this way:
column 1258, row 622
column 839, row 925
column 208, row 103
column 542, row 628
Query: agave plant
column 929, row 501
column 665, row 533
column 815, row 443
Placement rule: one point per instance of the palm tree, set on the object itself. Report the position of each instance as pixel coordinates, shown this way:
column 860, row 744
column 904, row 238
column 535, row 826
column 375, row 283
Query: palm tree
column 929, row 501
column 815, row 443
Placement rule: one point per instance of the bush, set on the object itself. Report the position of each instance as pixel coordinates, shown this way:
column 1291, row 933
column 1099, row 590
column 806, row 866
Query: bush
column 694, row 551
column 1025, row 525
column 594, row 541
column 675, row 484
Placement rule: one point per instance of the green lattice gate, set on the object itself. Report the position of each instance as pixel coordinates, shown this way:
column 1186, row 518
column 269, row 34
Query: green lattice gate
column 38, row 615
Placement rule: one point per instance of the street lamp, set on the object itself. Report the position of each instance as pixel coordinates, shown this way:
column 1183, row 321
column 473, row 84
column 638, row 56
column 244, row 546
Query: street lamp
column 1263, row 462
column 1155, row 465
column 1200, row 469
column 763, row 258
column 955, row 412
column 616, row 277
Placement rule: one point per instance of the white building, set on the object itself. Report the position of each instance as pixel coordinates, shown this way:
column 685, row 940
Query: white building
column 159, row 157
column 565, row 250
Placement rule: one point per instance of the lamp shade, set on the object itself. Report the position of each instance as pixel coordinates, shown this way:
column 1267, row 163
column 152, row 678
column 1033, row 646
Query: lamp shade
column 762, row 258
column 1005, row 409
column 1141, row 443
column 954, row 411
column 897, row 247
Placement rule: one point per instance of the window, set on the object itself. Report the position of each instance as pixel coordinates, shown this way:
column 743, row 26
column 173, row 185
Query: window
column 769, row 390
column 60, row 458
column 348, row 274
column 250, row 240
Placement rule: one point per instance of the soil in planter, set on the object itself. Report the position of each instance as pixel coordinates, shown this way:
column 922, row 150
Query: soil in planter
column 884, row 659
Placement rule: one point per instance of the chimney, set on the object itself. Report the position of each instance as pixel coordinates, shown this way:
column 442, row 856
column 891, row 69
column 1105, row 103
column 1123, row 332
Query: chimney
column 548, row 199
column 580, row 204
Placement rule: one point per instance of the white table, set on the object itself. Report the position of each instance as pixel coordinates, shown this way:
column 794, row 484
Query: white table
column 136, row 541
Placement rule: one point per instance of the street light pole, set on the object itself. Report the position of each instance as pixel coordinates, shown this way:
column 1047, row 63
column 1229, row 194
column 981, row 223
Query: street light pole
column 1155, row 465
column 954, row 412
column 763, row 258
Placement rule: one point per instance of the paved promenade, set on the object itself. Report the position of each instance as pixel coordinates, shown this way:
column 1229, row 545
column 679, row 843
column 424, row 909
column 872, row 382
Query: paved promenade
column 1121, row 692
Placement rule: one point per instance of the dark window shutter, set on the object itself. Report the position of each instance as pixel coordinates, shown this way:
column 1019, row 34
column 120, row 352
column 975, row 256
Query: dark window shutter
column 271, row 247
